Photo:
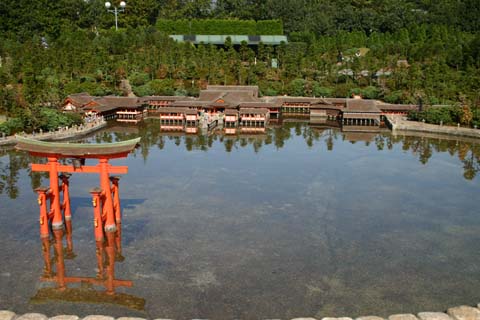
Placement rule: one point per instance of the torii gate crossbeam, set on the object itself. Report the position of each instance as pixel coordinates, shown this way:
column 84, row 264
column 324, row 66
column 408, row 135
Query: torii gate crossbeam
column 106, row 202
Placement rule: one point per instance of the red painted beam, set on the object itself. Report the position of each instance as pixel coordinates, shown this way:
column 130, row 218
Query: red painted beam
column 36, row 167
column 87, row 156
column 116, row 282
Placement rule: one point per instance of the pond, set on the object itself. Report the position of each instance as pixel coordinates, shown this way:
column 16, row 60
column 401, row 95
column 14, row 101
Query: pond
column 299, row 221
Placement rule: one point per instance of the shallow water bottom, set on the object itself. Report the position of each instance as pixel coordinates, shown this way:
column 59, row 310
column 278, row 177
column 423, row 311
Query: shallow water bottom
column 277, row 227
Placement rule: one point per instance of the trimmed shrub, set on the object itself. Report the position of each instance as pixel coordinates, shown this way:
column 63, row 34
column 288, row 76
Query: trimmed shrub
column 220, row 26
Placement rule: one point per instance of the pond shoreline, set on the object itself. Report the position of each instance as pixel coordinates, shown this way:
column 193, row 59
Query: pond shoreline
column 398, row 123
column 150, row 279
column 456, row 313
column 61, row 134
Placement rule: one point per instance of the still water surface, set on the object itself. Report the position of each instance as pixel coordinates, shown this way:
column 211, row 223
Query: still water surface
column 299, row 221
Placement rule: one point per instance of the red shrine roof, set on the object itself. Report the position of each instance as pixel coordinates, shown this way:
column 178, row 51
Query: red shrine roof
column 231, row 112
column 397, row 107
column 112, row 102
column 257, row 105
column 162, row 98
column 229, row 97
column 253, row 110
column 80, row 99
column 83, row 101
column 361, row 105
column 175, row 110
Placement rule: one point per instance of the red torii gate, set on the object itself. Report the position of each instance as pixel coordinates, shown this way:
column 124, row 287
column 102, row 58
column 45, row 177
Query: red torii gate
column 105, row 200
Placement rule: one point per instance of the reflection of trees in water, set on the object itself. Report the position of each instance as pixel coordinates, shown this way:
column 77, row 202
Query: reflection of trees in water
column 468, row 152
column 470, row 156
column 12, row 162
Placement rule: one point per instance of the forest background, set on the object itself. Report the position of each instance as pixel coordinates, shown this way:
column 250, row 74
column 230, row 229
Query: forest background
column 400, row 51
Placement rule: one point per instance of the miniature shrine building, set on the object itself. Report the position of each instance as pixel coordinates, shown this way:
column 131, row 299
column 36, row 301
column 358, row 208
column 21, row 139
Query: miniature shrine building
column 227, row 102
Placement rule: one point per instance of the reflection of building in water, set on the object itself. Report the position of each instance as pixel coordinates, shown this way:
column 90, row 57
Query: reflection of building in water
column 230, row 131
column 353, row 136
column 252, row 130
column 323, row 123
column 55, row 214
column 125, row 128
column 191, row 130
column 172, row 127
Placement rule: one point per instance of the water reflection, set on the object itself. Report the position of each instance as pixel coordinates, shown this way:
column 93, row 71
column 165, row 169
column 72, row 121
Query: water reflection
column 55, row 224
column 467, row 150
column 422, row 146
column 99, row 289
column 268, row 225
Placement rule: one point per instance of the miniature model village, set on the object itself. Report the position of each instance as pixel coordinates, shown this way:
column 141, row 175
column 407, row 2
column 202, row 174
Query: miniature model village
column 235, row 108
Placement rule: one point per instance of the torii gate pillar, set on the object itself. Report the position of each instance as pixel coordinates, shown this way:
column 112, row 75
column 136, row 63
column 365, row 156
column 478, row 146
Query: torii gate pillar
column 106, row 203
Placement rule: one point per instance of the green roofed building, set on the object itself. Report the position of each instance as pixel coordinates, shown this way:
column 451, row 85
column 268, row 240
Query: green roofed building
column 252, row 40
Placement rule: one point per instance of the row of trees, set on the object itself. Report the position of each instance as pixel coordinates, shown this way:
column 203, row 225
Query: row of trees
column 399, row 51
column 320, row 17
column 448, row 115
column 431, row 63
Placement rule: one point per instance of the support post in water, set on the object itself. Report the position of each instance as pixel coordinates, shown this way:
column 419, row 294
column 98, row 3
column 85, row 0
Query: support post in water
column 55, row 208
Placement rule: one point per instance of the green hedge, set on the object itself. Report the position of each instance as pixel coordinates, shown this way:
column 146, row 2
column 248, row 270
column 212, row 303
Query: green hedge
column 448, row 115
column 269, row 27
column 36, row 118
column 219, row 26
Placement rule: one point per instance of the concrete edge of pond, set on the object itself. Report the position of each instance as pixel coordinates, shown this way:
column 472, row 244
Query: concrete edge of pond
column 60, row 134
column 455, row 313
column 398, row 123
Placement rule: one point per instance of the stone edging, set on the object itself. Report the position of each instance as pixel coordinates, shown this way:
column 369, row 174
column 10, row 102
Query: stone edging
column 61, row 134
column 397, row 123
column 455, row 313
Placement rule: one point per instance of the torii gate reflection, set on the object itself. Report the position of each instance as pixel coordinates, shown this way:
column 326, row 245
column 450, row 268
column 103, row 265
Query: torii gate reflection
column 55, row 218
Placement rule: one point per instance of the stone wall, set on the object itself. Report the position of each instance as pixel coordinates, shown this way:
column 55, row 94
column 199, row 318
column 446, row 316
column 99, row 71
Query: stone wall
column 60, row 134
column 399, row 123
column 455, row 313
